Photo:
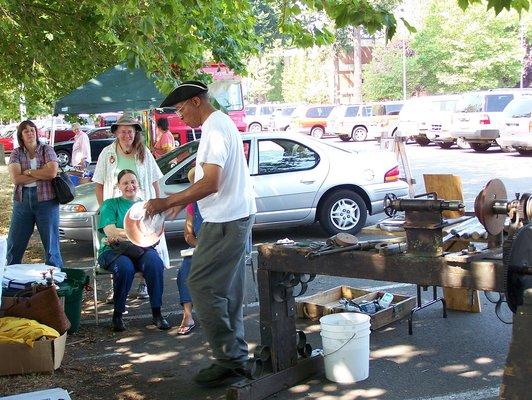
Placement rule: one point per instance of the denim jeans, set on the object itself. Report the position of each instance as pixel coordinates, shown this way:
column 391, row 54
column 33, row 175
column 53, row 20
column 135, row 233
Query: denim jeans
column 26, row 214
column 124, row 269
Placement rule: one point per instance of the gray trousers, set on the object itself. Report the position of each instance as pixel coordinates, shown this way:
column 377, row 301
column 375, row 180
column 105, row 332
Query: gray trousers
column 216, row 283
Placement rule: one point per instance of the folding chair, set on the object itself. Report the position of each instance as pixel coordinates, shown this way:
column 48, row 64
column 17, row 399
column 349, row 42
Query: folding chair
column 96, row 268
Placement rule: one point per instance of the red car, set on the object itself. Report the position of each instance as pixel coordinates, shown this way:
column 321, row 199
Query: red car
column 7, row 142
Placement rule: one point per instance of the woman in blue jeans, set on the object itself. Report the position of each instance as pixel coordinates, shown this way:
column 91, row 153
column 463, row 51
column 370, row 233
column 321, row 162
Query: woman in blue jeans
column 123, row 267
column 32, row 166
column 192, row 228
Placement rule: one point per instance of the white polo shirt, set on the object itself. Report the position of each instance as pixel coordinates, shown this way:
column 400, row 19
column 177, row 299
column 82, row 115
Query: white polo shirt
column 221, row 144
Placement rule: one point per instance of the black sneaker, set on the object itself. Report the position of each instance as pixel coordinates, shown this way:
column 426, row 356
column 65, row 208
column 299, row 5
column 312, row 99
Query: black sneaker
column 118, row 324
column 161, row 323
column 216, row 375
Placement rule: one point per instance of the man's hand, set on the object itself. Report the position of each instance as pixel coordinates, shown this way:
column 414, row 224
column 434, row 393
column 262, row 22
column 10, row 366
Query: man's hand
column 156, row 206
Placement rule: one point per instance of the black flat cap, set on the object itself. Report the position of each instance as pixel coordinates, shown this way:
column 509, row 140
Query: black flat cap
column 185, row 91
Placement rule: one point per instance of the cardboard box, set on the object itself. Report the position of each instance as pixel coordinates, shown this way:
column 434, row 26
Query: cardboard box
column 327, row 302
column 45, row 356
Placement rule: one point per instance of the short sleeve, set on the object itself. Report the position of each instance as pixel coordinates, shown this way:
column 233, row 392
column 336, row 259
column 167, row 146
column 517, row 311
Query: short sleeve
column 14, row 158
column 99, row 170
column 216, row 151
column 156, row 173
column 108, row 214
column 49, row 154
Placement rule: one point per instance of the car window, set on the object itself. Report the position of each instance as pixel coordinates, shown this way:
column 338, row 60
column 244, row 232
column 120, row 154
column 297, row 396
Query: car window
column 378, row 110
column 319, row 112
column 100, row 134
column 367, row 111
column 281, row 155
column 497, row 102
column 246, row 144
column 352, row 111
column 174, row 157
column 250, row 110
column 393, row 109
column 519, row 109
column 266, row 110
column 469, row 103
column 448, row 105
column 287, row 111
column 181, row 175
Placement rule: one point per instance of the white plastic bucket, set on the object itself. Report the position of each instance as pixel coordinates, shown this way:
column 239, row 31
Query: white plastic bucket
column 345, row 338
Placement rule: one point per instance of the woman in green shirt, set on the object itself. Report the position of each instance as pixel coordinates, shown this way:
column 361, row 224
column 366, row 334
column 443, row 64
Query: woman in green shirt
column 111, row 224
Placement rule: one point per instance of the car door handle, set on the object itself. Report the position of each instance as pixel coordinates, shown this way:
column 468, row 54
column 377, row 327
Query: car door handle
column 307, row 182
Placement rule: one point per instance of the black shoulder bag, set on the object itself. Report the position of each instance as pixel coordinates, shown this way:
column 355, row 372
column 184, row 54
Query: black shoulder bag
column 64, row 189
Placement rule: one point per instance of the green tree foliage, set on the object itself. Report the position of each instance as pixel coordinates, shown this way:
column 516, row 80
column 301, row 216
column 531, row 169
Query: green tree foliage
column 53, row 46
column 303, row 76
column 453, row 52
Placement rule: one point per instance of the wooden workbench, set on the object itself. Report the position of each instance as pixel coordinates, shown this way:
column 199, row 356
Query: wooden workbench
column 277, row 304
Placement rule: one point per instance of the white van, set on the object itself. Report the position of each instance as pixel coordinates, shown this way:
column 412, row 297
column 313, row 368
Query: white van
column 516, row 130
column 419, row 114
column 479, row 116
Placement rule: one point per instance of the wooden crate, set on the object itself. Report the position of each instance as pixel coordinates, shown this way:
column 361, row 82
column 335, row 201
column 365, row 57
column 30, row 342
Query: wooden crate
column 324, row 303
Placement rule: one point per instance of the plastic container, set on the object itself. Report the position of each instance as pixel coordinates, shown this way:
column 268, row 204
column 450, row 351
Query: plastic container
column 73, row 291
column 345, row 339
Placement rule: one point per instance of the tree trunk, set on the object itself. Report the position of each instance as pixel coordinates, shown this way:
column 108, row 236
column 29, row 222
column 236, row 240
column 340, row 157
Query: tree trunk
column 357, row 66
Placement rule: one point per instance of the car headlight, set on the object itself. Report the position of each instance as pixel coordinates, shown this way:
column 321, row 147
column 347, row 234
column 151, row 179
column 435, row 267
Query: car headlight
column 74, row 208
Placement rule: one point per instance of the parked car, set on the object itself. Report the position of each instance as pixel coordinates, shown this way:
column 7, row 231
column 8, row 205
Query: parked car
column 312, row 119
column 418, row 114
column 351, row 122
column 297, row 181
column 282, row 117
column 479, row 115
column 258, row 116
column 98, row 137
column 516, row 130
column 383, row 118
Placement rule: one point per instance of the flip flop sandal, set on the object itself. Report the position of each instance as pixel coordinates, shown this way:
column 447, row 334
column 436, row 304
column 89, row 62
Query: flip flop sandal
column 185, row 330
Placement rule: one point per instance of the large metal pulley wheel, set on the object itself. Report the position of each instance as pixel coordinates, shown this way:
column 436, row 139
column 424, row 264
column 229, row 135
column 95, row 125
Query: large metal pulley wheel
column 493, row 193
column 389, row 210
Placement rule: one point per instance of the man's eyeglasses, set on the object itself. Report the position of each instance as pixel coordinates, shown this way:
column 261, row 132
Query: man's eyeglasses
column 179, row 111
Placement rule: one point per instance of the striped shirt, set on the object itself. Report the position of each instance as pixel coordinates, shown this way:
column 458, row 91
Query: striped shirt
column 44, row 154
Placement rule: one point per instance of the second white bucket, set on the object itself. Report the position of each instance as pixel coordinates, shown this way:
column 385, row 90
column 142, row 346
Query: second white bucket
column 345, row 338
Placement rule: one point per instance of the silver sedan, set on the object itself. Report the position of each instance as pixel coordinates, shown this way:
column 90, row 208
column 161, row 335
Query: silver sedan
column 298, row 180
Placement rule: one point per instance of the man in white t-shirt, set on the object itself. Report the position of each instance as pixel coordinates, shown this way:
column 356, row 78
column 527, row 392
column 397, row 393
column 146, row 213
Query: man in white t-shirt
column 226, row 201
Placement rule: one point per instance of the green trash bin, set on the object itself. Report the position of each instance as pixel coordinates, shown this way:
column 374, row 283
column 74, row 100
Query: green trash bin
column 72, row 288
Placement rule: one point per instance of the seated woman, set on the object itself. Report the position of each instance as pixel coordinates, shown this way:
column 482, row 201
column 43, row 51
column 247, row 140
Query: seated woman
column 111, row 224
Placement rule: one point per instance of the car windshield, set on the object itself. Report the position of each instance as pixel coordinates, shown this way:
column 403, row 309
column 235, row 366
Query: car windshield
column 171, row 159
column 228, row 94
column 519, row 109
column 497, row 102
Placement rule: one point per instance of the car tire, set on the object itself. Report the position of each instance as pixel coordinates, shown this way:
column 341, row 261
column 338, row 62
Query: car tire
column 445, row 145
column 63, row 157
column 255, row 127
column 343, row 211
column 317, row 132
column 422, row 141
column 359, row 134
column 480, row 147
column 525, row 152
column 345, row 138
column 461, row 143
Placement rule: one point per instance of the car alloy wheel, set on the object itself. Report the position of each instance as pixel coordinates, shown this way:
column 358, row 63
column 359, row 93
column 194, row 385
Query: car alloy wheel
column 360, row 134
column 63, row 158
column 255, row 127
column 317, row 132
column 343, row 211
